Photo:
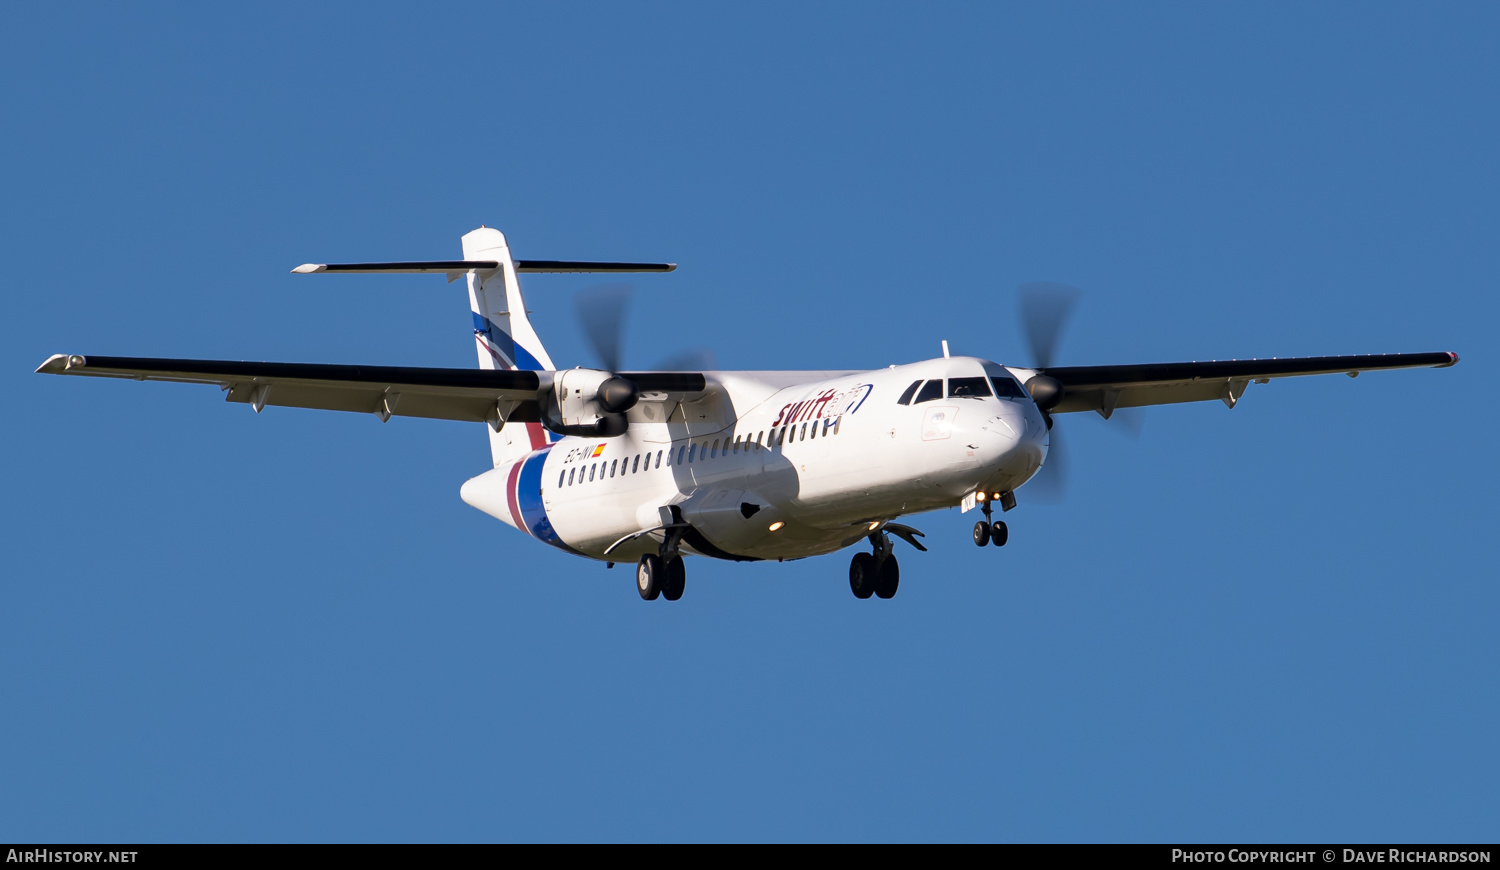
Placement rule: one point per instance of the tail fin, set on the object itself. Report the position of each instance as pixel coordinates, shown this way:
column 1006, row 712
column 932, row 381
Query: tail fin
column 503, row 335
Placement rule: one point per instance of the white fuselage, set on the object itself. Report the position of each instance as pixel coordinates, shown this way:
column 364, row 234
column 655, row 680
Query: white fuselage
column 773, row 465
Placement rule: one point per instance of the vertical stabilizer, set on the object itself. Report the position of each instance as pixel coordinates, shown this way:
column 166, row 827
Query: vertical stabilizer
column 503, row 336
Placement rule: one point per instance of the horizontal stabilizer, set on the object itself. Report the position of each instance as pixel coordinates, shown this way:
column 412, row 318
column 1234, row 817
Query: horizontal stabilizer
column 451, row 267
column 584, row 266
column 415, row 267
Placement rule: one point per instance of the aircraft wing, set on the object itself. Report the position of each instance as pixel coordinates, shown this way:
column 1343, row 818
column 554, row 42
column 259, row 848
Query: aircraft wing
column 437, row 393
column 1104, row 388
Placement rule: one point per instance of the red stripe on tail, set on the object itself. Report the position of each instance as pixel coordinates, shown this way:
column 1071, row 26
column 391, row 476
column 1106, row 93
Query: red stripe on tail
column 510, row 493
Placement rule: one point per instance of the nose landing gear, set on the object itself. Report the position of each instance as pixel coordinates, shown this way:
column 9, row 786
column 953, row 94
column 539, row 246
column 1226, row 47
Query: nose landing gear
column 987, row 532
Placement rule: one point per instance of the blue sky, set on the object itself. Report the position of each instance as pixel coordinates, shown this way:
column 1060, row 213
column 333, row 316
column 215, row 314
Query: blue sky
column 1274, row 624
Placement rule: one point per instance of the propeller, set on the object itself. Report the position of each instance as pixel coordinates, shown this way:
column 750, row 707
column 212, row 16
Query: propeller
column 1050, row 483
column 1045, row 308
column 699, row 359
column 601, row 310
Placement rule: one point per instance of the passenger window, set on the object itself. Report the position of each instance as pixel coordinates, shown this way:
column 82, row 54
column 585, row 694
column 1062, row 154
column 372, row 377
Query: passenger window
column 736, row 445
column 803, row 436
column 1007, row 388
column 612, row 467
column 570, row 476
column 968, row 388
column 910, row 391
column 692, row 449
column 758, row 436
column 931, row 390
column 815, row 428
column 591, row 473
column 636, row 465
column 837, row 422
column 560, row 478
column 715, row 454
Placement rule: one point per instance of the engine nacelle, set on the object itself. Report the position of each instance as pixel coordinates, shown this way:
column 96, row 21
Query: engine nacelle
column 588, row 403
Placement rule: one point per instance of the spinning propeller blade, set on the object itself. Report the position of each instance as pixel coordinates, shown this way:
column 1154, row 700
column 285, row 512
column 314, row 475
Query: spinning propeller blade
column 601, row 308
column 699, row 359
column 1050, row 483
column 1045, row 306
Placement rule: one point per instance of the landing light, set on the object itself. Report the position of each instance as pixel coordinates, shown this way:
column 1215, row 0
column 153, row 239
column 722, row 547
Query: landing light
column 875, row 525
column 995, row 497
column 979, row 496
column 776, row 526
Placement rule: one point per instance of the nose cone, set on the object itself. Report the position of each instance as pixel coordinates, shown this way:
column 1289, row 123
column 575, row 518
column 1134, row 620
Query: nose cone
column 1014, row 442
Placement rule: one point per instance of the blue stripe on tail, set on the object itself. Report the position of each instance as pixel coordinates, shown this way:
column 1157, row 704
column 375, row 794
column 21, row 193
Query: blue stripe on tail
column 511, row 354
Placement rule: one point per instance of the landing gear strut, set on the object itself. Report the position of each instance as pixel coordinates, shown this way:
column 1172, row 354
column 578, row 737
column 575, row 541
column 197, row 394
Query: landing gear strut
column 662, row 574
column 875, row 573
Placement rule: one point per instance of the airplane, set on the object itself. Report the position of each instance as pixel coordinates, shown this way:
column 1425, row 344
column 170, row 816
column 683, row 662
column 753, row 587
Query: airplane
column 654, row 466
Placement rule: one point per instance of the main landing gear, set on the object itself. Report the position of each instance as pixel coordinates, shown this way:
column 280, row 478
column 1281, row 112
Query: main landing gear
column 655, row 577
column 662, row 574
column 990, row 532
column 875, row 573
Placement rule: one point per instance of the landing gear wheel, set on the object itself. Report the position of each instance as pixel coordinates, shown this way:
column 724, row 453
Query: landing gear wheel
column 863, row 575
column 649, row 573
column 981, row 533
column 890, row 578
column 999, row 534
column 675, row 580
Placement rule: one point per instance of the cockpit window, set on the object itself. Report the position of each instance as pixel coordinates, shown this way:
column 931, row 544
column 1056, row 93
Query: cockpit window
column 931, row 390
column 1007, row 388
column 910, row 391
column 968, row 388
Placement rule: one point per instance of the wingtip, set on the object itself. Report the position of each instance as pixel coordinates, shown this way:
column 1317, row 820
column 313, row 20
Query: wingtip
column 671, row 267
column 1453, row 357
column 309, row 268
